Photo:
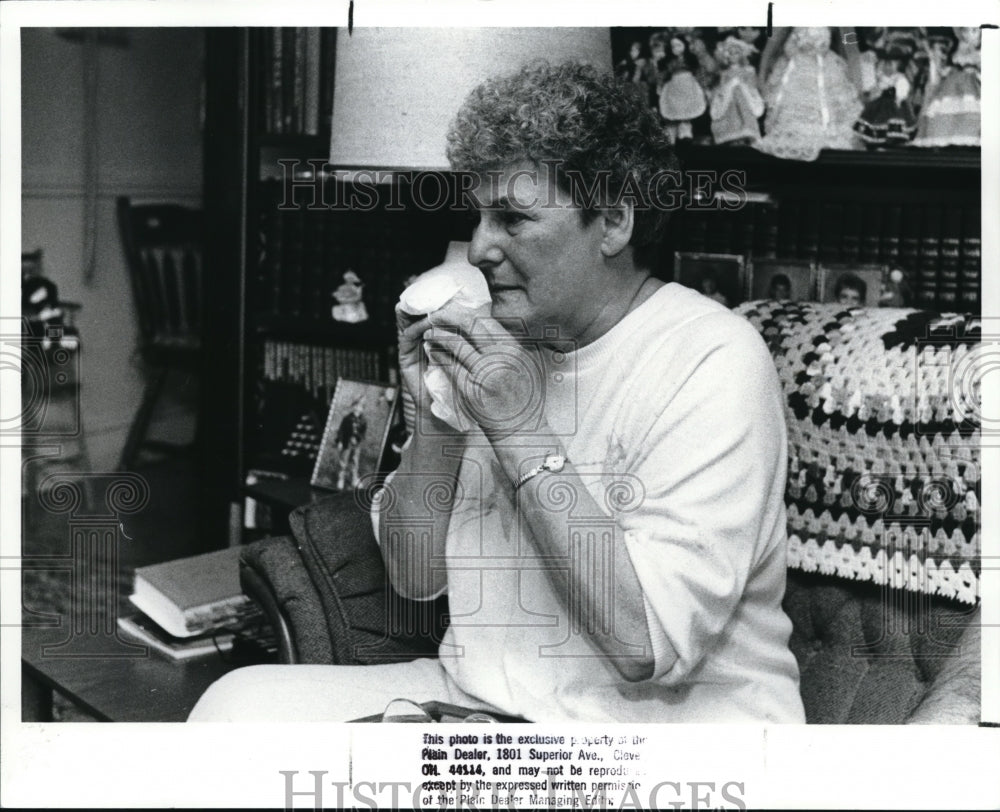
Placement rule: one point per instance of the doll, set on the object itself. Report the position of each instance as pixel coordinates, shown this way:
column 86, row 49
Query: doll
column 811, row 102
column 888, row 117
column 950, row 116
column 736, row 103
column 707, row 72
column 681, row 97
column 896, row 290
column 350, row 307
column 633, row 67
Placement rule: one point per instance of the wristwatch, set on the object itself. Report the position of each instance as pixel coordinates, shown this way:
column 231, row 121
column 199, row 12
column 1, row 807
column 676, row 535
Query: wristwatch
column 553, row 462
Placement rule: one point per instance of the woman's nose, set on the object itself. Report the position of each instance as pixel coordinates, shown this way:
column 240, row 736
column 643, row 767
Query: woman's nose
column 484, row 249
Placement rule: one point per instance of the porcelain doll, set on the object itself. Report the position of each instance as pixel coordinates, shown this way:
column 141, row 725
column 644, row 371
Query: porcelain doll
column 707, row 71
column 736, row 103
column 888, row 118
column 633, row 68
column 350, row 307
column 951, row 112
column 811, row 102
column 681, row 97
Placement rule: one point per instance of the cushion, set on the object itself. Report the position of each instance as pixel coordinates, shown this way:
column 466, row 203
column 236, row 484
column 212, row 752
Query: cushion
column 869, row 654
column 369, row 622
column 882, row 408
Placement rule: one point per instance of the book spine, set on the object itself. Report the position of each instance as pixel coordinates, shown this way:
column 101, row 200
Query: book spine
column 328, row 53
column 766, row 230
column 809, row 230
column 945, row 283
column 289, row 58
column 889, row 235
column 299, row 82
column 970, row 276
column 313, row 76
column 850, row 243
column 277, row 67
column 293, row 264
column 831, row 232
column 870, row 248
column 265, row 100
column 788, row 229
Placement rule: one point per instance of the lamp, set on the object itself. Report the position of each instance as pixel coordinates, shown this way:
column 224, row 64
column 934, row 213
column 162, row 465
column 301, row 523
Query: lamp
column 397, row 89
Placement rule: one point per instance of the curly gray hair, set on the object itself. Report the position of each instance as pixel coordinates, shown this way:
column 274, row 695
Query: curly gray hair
column 595, row 129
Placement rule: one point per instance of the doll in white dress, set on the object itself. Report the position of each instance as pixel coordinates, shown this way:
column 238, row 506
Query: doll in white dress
column 811, row 102
column 951, row 111
column 736, row 103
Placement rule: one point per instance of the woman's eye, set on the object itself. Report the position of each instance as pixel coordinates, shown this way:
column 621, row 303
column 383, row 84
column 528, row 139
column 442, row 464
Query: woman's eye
column 511, row 217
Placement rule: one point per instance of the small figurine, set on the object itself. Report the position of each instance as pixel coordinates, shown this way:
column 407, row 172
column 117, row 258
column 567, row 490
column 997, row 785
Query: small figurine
column 736, row 103
column 681, row 97
column 888, row 118
column 951, row 112
column 811, row 102
column 895, row 290
column 633, row 68
column 350, row 308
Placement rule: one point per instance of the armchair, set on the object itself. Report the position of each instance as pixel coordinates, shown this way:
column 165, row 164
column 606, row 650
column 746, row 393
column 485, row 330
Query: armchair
column 884, row 633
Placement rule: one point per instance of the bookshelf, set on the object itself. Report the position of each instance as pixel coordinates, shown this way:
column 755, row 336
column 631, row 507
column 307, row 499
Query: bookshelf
column 278, row 259
column 913, row 209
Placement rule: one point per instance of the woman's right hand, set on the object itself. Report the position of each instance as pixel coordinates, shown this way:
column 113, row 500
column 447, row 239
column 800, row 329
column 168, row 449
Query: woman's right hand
column 410, row 333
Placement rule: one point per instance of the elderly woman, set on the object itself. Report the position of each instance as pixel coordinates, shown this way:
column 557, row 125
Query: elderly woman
column 612, row 537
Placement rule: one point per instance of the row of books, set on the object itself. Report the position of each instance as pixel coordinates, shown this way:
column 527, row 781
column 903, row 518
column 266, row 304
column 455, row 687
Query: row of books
column 938, row 246
column 296, row 81
column 304, row 253
column 316, row 368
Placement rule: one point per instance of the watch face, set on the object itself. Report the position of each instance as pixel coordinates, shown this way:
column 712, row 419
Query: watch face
column 555, row 463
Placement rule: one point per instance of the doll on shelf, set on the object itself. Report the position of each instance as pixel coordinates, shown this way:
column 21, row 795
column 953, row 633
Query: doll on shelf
column 633, row 67
column 707, row 72
column 950, row 116
column 811, row 102
column 350, row 306
column 888, row 118
column 682, row 99
column 736, row 103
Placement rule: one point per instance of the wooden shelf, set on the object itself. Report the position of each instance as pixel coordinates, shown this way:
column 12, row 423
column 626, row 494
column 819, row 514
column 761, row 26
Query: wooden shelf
column 904, row 158
column 365, row 335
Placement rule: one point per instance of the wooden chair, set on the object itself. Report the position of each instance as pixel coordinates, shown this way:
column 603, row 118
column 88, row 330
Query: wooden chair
column 163, row 249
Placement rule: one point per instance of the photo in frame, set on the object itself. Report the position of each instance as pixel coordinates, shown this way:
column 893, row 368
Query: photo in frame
column 721, row 277
column 356, row 433
column 852, row 285
column 785, row 280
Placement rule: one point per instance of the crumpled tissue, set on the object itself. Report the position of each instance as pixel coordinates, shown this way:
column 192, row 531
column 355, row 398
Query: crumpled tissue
column 457, row 282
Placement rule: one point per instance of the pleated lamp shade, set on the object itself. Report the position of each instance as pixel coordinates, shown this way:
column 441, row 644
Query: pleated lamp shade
column 396, row 90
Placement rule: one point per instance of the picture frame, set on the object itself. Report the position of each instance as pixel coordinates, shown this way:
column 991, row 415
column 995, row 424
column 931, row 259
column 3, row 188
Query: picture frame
column 801, row 276
column 870, row 277
column 353, row 445
column 719, row 276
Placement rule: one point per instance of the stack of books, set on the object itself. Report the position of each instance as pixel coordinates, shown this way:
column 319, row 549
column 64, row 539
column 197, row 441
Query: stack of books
column 190, row 607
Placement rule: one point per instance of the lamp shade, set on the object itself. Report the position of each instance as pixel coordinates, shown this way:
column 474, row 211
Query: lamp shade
column 396, row 90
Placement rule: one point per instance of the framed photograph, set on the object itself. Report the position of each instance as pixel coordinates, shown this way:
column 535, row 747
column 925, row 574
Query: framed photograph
column 852, row 285
column 789, row 280
column 718, row 276
column 354, row 440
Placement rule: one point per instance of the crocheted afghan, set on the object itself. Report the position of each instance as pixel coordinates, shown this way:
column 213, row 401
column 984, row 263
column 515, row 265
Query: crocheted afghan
column 883, row 416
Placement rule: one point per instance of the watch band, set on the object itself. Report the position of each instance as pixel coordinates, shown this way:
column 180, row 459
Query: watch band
column 553, row 462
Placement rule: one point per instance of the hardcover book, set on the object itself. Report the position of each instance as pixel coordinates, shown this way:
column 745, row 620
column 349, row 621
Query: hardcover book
column 144, row 630
column 190, row 596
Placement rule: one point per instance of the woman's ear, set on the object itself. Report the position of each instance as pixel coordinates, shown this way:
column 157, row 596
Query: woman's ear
column 619, row 221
